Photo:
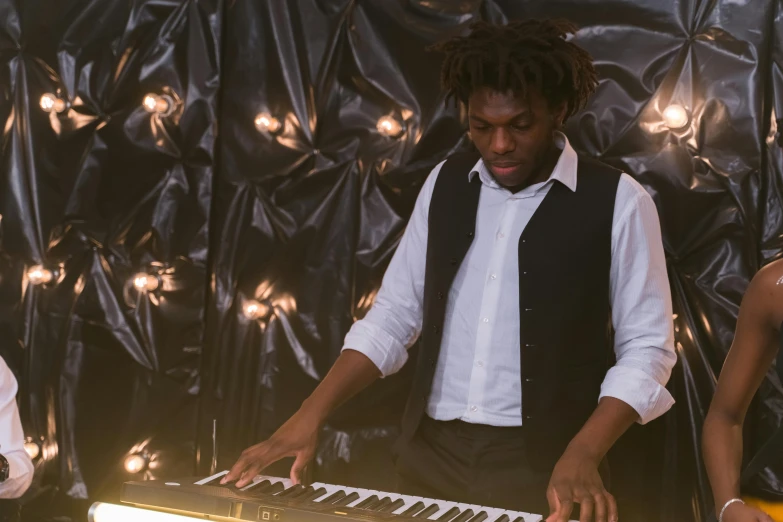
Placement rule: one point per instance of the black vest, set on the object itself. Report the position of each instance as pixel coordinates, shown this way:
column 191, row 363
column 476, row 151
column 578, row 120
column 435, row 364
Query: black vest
column 564, row 315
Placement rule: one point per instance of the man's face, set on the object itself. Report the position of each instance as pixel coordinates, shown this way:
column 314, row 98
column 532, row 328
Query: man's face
column 513, row 134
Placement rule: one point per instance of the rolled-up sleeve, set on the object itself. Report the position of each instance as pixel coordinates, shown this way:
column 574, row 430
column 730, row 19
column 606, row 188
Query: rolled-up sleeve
column 393, row 323
column 12, row 439
column 641, row 307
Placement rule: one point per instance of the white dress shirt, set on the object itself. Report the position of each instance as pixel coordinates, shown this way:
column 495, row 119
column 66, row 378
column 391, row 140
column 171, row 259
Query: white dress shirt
column 12, row 438
column 477, row 377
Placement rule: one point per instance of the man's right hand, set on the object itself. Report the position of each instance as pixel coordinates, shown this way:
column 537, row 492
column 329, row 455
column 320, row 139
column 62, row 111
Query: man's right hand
column 741, row 513
column 352, row 372
column 296, row 438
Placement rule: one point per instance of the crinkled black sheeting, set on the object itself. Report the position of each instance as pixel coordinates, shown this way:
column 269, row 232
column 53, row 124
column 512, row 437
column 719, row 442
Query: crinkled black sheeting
column 305, row 220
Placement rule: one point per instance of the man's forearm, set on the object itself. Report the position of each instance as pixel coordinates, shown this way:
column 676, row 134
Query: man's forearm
column 351, row 373
column 722, row 446
column 608, row 422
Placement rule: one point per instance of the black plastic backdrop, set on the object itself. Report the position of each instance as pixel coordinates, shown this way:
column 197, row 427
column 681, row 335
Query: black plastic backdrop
column 298, row 225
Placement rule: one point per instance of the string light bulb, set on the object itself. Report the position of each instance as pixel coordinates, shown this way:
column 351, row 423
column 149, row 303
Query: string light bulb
column 252, row 309
column 161, row 104
column 265, row 122
column 389, row 126
column 146, row 282
column 49, row 102
column 32, row 448
column 38, row 275
column 135, row 463
column 676, row 117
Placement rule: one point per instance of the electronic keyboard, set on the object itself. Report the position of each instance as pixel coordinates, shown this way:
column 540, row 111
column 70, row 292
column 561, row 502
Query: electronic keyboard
column 277, row 499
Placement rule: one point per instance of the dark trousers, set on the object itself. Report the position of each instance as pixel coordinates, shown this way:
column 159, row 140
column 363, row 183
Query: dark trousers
column 471, row 464
column 10, row 510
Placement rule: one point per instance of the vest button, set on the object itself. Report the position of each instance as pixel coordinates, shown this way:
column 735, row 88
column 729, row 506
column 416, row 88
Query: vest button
column 528, row 379
column 440, row 295
column 435, row 328
column 528, row 417
column 469, row 234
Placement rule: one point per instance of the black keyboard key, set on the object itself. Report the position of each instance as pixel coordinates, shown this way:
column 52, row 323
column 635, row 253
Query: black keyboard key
column 429, row 510
column 464, row 516
column 411, row 511
column 258, row 486
column 378, row 506
column 314, row 495
column 519, row 519
column 393, row 506
column 347, row 499
column 367, row 501
column 277, row 487
column 303, row 493
column 292, row 491
column 502, row 518
column 334, row 497
column 480, row 517
column 448, row 515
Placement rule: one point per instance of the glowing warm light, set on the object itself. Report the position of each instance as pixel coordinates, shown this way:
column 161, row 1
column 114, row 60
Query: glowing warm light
column 253, row 309
column 32, row 449
column 102, row 512
column 265, row 122
column 676, row 117
column 146, row 282
column 135, row 463
column 39, row 275
column 389, row 127
column 163, row 105
column 50, row 102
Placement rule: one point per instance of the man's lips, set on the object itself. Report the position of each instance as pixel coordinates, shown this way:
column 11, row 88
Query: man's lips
column 504, row 168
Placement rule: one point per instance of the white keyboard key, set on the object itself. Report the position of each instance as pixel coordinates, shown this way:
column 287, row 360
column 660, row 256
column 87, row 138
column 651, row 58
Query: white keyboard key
column 211, row 478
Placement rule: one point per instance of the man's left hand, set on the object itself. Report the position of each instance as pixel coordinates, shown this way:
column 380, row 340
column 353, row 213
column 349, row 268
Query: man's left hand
column 575, row 480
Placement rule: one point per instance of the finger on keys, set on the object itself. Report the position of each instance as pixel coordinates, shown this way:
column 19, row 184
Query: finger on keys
column 236, row 470
column 586, row 507
column 560, row 504
column 299, row 468
column 253, row 460
column 600, row 502
column 611, row 508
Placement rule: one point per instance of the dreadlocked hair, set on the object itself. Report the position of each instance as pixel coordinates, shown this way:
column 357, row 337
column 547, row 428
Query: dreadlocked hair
column 516, row 56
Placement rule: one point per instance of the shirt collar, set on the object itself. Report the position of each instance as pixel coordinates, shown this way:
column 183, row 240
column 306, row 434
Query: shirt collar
column 564, row 171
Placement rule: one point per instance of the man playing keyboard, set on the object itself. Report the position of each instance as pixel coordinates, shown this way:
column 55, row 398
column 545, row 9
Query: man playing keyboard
column 517, row 262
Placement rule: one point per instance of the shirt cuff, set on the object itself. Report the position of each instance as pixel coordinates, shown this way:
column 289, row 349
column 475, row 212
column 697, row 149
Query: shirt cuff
column 20, row 475
column 385, row 352
column 637, row 389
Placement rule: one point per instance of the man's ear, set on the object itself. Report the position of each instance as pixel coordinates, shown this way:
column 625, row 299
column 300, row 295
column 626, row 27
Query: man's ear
column 558, row 114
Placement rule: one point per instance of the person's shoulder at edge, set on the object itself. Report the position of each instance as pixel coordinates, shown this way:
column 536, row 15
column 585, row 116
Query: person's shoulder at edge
column 765, row 291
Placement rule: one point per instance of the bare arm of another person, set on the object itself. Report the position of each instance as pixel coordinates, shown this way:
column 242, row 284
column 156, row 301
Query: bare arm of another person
column 750, row 357
column 376, row 346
